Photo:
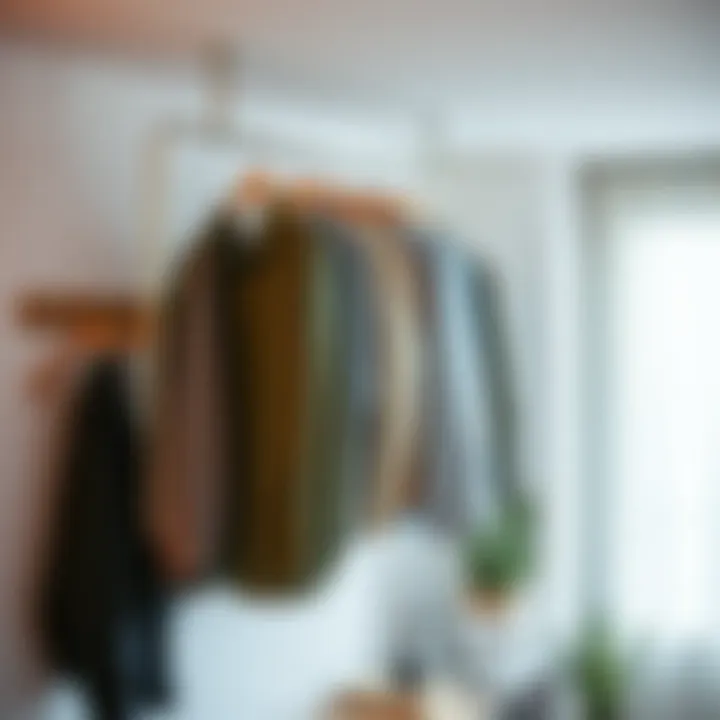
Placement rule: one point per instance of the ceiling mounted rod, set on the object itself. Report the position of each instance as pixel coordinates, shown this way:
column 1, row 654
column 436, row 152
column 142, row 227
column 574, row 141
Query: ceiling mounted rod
column 222, row 72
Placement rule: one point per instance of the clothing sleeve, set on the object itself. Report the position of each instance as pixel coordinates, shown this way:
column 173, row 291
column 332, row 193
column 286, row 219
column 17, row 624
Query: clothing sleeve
column 497, row 362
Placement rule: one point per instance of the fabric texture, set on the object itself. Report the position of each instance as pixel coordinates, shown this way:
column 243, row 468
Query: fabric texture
column 268, row 315
column 395, row 300
column 102, row 606
column 318, row 377
column 251, row 478
column 350, row 385
column 295, row 311
column 467, row 470
column 194, row 444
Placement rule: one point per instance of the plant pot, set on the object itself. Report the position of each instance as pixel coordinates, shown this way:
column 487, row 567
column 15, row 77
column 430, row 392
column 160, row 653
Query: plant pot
column 490, row 604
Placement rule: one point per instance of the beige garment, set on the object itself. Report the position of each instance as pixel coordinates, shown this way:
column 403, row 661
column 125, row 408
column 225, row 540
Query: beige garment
column 396, row 293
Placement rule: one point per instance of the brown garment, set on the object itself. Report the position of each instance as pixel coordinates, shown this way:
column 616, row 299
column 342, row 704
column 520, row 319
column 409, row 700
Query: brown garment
column 190, row 450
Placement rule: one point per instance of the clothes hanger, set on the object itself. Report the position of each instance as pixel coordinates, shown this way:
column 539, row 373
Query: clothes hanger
column 308, row 195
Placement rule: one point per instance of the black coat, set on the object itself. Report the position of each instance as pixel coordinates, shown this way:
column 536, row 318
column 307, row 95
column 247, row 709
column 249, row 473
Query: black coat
column 102, row 607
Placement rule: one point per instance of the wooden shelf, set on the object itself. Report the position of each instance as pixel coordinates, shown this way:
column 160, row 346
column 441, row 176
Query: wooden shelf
column 86, row 323
column 66, row 310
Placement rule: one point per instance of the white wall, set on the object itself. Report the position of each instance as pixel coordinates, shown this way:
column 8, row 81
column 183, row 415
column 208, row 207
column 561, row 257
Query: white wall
column 72, row 139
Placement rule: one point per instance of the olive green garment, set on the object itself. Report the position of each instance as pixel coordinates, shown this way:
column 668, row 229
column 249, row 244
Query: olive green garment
column 288, row 310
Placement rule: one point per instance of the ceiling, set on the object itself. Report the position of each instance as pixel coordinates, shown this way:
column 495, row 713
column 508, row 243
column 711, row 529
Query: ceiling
column 417, row 50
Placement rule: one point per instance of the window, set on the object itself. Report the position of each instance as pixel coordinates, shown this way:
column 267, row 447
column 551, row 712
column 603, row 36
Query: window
column 656, row 409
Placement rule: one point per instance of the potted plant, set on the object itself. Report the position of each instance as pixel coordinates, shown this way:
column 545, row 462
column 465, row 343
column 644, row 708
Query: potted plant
column 600, row 673
column 498, row 559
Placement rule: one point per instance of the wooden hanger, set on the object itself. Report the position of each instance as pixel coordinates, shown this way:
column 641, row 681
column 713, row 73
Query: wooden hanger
column 260, row 189
column 91, row 318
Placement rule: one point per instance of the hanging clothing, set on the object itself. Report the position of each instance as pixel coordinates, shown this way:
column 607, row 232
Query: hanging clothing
column 343, row 386
column 269, row 306
column 361, row 445
column 252, row 451
column 395, row 299
column 468, row 468
column 493, row 343
column 194, row 443
column 102, row 606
